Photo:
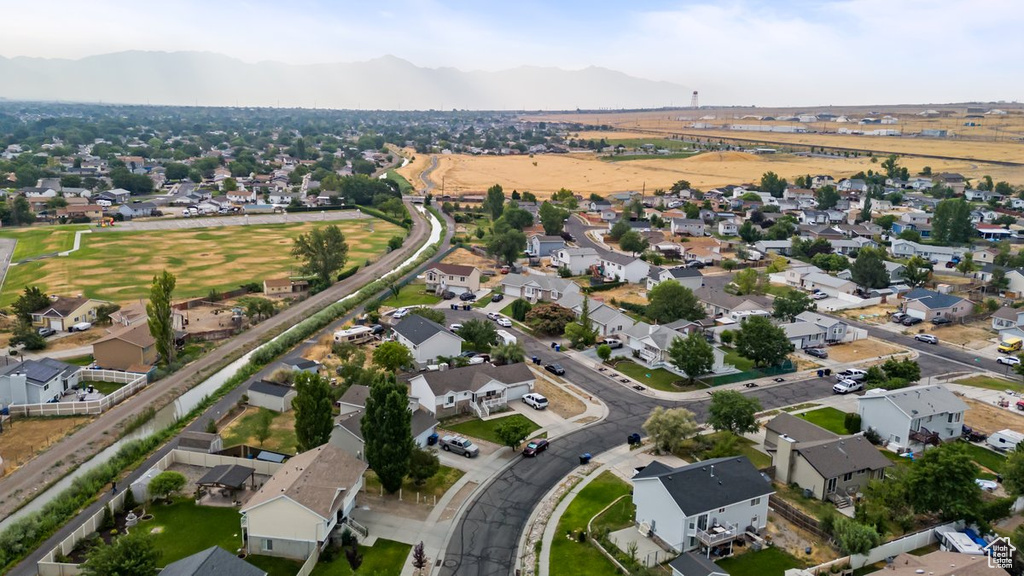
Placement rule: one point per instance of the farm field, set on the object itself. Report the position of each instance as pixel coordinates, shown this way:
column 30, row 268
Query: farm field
column 118, row 266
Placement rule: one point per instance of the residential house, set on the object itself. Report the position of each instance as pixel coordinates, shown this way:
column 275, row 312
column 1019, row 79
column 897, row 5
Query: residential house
column 36, row 381
column 728, row 228
column 271, row 395
column 129, row 348
column 992, row 232
column 474, row 388
column 687, row 226
column 941, row 563
column 691, row 564
column 688, row 277
column 719, row 304
column 624, row 267
column 242, row 196
column 90, row 211
column 1006, row 318
column 914, row 416
column 852, row 185
column 452, row 278
column 62, row 313
column 540, row 245
column 136, row 209
column 835, row 329
column 1015, row 277
column 938, row 254
column 302, row 365
column 950, row 180
column 794, row 427
column 846, row 246
column 115, row 196
column 795, row 274
column 928, row 305
column 652, row 343
column 214, row 561
column 804, row 335
column 605, row 319
column 833, row 468
column 577, row 260
column 831, row 285
column 426, row 339
column 701, row 506
column 814, row 217
column 782, row 247
column 822, row 180
column 537, row 288
column 283, row 287
column 348, row 427
column 299, row 507
column 599, row 205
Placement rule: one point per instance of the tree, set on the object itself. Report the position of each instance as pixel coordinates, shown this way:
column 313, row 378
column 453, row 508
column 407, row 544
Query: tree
column 22, row 212
column 419, row 557
column 479, row 334
column 692, row 355
column 679, row 186
column 746, row 281
column 604, row 352
column 161, row 324
column 392, row 356
column 781, row 230
column 891, row 165
column 520, row 308
column 423, row 465
column 999, row 281
column 514, row 218
column 549, row 319
column 552, row 218
column 387, row 429
column 494, row 202
column 432, row 314
column 669, row 428
column 633, row 242
column 513, row 431
column 1013, row 472
column 314, row 418
column 779, row 263
column 763, row 342
column 918, row 271
column 941, row 481
column 952, row 222
column 670, row 301
column 966, row 264
column 827, row 197
column 865, row 213
column 808, row 249
column 787, row 306
column 581, row 333
column 854, row 537
column 323, row 252
column 129, row 554
column 166, row 483
column 905, row 369
column 772, row 184
column 868, row 270
column 886, row 221
column 831, row 262
column 32, row 299
column 749, row 233
column 566, row 198
column 734, row 412
column 229, row 185
column 507, row 246
column 636, row 207
column 618, row 230
column 262, row 432
column 508, row 353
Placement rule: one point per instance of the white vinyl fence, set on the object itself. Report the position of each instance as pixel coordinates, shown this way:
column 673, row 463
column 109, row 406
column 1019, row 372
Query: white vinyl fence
column 133, row 382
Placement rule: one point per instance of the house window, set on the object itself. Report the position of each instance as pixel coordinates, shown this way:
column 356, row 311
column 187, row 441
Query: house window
column 46, row 386
column 268, row 545
column 755, row 501
column 957, row 416
column 848, row 476
column 721, row 510
column 450, row 400
column 950, row 419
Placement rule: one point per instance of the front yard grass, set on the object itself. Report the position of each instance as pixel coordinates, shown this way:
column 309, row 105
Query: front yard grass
column 744, row 447
column 486, row 429
column 990, row 383
column 282, row 431
column 275, row 566
column 657, row 378
column 185, row 528
column 733, row 357
column 828, row 418
column 769, row 561
column 414, row 294
column 80, row 360
column 575, row 558
column 385, row 557
column 437, row 485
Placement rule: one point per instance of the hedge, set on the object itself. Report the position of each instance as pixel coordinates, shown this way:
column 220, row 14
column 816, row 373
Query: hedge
column 602, row 287
column 378, row 214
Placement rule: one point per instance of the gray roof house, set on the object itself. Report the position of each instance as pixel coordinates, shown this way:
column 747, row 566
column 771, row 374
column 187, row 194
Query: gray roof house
column 914, row 416
column 537, row 287
column 36, row 381
column 928, row 305
column 541, row 245
column 688, row 277
column 426, row 339
column 624, row 267
column 835, row 328
column 348, row 431
column 214, row 561
column 691, row 564
column 478, row 388
column 804, row 335
column 794, row 427
column 833, row 468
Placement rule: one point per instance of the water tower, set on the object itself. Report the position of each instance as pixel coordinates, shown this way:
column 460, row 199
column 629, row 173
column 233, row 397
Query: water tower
column 693, row 100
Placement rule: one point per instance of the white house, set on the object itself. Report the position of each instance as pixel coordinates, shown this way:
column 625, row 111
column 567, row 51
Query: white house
column 688, row 226
column 625, row 268
column 782, row 247
column 426, row 339
column 1016, row 280
column 939, row 254
column 137, row 209
column 835, row 329
column 606, row 320
column 652, row 343
column 452, row 277
column 704, row 505
column 301, row 504
column 36, row 381
column 804, row 335
column 477, row 388
column 271, row 395
column 242, row 196
column 728, row 227
column 1006, row 318
column 914, row 416
column 688, row 277
column 540, row 245
column 577, row 260
column 537, row 288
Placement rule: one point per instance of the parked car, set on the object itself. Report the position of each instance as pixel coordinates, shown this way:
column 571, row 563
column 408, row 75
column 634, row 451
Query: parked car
column 497, row 297
column 455, row 327
column 1008, row 360
column 534, row 447
column 459, row 445
column 80, row 327
column 504, row 322
column 926, row 338
column 972, row 435
column 46, row 331
column 846, row 386
column 898, row 317
column 447, row 295
column 941, row 321
column 555, row 369
column 535, row 400
column 695, row 264
column 819, row 296
column 377, row 329
column 400, row 313
column 817, row 352
column 613, row 343
column 911, row 321
column 468, row 354
column 467, row 296
column 493, row 315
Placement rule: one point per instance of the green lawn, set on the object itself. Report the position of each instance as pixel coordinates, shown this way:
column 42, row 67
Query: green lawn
column 767, row 562
column 990, row 459
column 507, row 310
column 733, row 357
column 187, row 529
column 657, row 378
column 744, row 447
column 414, row 294
column 106, row 388
column 486, row 429
column 828, row 418
column 384, row 558
column 437, row 485
column 989, row 383
column 80, row 360
column 39, row 240
column 659, row 143
column 582, row 559
column 282, row 431
column 403, row 184
column 275, row 566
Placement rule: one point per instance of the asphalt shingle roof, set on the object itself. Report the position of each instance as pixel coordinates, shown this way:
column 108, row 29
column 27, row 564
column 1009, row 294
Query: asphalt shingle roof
column 214, row 561
column 417, row 329
column 833, row 458
column 932, row 300
column 270, row 388
column 710, row 484
column 800, row 430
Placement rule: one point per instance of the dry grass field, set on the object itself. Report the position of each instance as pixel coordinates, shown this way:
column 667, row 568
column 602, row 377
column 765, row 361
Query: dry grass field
column 989, row 418
column 417, row 164
column 861, row 350
column 119, row 266
column 24, row 438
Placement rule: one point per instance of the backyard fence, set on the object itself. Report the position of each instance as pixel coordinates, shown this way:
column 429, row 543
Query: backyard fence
column 310, row 563
column 132, row 381
column 906, row 544
column 786, row 367
column 797, row 517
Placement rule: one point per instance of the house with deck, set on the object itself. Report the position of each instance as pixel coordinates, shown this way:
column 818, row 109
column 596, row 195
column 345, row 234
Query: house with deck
column 452, row 278
column 912, row 417
column 472, row 389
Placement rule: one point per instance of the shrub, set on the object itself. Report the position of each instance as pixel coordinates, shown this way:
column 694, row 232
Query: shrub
column 852, row 422
column 873, row 436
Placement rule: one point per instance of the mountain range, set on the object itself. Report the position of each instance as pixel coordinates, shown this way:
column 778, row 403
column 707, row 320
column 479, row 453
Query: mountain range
column 385, row 83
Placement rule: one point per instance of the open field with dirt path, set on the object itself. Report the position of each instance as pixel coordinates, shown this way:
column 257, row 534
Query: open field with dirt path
column 118, row 266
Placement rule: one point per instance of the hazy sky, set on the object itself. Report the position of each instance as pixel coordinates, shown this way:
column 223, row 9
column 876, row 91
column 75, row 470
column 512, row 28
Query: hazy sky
column 734, row 52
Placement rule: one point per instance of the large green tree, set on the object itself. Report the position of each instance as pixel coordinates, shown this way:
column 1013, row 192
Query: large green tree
column 669, row 428
column 479, row 334
column 552, row 218
column 772, row 184
column 32, row 299
column 868, row 270
column 670, row 301
column 633, row 242
column 494, row 202
column 734, row 412
column 166, row 483
column 323, row 252
column 581, row 333
column 392, row 356
column 763, row 342
column 941, row 481
column 132, row 554
column 787, row 306
column 161, row 324
column 507, row 246
column 916, row 272
column 952, row 222
column 387, row 430
column 827, row 197
column 749, row 233
column 314, row 418
column 692, row 355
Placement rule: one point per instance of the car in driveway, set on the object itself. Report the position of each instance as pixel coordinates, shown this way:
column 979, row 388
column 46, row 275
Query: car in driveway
column 695, row 264
column 819, row 296
column 80, row 327
column 911, row 321
column 846, row 386
column 534, row 447
column 459, row 445
column 1008, row 360
column 926, row 338
column 535, row 400
column 455, row 327
column 855, row 374
column 400, row 313
column 46, row 331
column 613, row 343
column 898, row 317
column 467, row 296
column 497, row 297
column 504, row 322
column 941, row 321
column 447, row 295
column 817, row 352
column 555, row 369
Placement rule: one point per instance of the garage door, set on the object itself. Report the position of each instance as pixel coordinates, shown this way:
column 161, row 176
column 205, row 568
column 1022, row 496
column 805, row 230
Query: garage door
column 916, row 314
column 56, row 324
column 517, row 392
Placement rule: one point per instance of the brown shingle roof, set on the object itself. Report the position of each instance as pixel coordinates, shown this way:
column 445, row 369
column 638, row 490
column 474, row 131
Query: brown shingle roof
column 277, row 282
column 453, row 269
column 316, row 479
column 63, row 306
column 136, row 335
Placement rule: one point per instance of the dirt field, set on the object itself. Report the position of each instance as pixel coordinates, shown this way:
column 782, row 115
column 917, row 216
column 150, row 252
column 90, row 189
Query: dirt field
column 464, row 257
column 989, row 418
column 626, row 293
column 25, row 438
column 417, row 164
column 870, row 315
column 973, row 336
column 860, row 350
column 559, row 401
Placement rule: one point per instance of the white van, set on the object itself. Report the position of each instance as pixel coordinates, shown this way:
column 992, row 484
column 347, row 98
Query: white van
column 505, row 337
column 1005, row 440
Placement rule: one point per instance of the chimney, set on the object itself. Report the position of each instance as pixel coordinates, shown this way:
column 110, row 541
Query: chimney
column 783, row 458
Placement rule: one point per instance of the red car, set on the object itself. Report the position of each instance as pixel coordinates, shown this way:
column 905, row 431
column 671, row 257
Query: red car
column 535, row 447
